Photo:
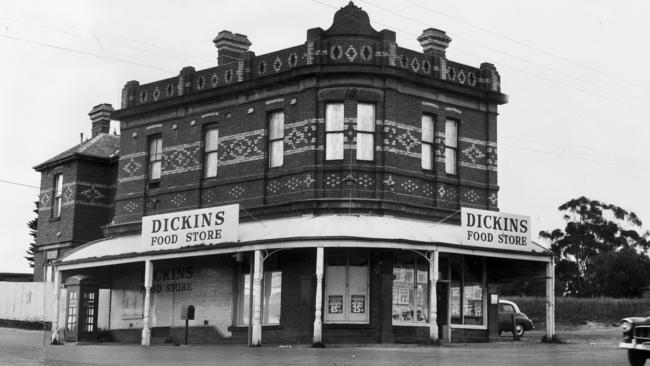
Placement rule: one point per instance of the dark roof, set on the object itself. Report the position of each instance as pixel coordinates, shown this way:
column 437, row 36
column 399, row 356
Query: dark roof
column 102, row 146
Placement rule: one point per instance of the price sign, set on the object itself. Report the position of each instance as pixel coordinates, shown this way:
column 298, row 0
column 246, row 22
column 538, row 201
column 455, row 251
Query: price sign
column 358, row 303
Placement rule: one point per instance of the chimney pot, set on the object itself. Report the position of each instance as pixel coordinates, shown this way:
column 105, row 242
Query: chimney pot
column 230, row 47
column 434, row 41
column 100, row 116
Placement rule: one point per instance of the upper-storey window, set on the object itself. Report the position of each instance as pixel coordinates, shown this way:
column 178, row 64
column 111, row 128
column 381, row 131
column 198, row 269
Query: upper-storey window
column 276, row 139
column 334, row 131
column 155, row 157
column 451, row 146
column 211, row 152
column 365, row 131
column 57, row 195
column 427, row 141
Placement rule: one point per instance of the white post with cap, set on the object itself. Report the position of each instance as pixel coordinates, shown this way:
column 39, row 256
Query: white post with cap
column 148, row 281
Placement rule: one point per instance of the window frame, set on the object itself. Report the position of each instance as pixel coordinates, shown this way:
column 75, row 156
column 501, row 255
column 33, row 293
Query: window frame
column 57, row 195
column 416, row 265
column 429, row 144
column 462, row 262
column 243, row 298
column 364, row 132
column 273, row 140
column 332, row 132
column 152, row 160
column 207, row 153
column 347, row 297
column 451, row 150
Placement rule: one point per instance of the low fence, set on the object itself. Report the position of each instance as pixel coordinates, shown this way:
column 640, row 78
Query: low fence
column 577, row 310
column 26, row 302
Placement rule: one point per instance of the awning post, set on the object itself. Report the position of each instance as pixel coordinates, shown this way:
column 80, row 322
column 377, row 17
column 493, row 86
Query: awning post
column 148, row 280
column 318, row 322
column 433, row 299
column 550, row 299
column 258, row 273
column 55, row 339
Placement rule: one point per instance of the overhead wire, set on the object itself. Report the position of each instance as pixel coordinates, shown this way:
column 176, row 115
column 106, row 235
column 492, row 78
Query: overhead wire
column 510, row 55
column 517, row 69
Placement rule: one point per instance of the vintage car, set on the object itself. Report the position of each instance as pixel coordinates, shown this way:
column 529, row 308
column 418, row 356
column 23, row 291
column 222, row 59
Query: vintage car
column 636, row 339
column 506, row 311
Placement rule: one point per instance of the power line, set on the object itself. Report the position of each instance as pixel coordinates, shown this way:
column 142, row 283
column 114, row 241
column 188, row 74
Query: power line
column 18, row 184
column 523, row 44
column 501, row 64
column 480, row 44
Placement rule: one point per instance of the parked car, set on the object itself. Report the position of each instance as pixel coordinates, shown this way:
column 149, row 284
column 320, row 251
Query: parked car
column 636, row 339
column 522, row 322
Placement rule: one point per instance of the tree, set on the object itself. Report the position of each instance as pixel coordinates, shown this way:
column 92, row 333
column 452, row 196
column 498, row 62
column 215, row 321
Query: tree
column 33, row 227
column 593, row 231
column 621, row 274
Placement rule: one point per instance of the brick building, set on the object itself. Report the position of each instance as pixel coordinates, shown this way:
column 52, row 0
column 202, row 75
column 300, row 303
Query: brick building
column 309, row 195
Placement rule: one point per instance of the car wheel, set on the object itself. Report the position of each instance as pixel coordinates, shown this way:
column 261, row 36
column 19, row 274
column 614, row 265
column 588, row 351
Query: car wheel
column 519, row 329
column 636, row 358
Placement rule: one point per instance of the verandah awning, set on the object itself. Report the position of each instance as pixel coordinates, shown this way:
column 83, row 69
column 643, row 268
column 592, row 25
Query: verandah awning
column 304, row 231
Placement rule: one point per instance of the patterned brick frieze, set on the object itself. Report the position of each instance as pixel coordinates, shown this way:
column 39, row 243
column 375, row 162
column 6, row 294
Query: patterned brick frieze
column 447, row 193
column 301, row 136
column 401, row 139
column 79, row 193
column 181, row 158
column 242, row 147
column 477, row 154
column 132, row 167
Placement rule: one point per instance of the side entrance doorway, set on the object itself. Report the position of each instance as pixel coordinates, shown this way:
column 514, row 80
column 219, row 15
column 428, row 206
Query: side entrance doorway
column 81, row 309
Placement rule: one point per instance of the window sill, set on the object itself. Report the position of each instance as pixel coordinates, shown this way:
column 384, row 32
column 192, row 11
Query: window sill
column 347, row 326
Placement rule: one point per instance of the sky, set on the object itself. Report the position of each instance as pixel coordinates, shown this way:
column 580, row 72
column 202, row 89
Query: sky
column 575, row 72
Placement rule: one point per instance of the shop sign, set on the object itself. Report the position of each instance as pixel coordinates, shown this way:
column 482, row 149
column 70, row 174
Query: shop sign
column 208, row 226
column 493, row 229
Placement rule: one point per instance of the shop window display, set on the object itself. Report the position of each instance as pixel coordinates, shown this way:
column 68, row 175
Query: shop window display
column 467, row 300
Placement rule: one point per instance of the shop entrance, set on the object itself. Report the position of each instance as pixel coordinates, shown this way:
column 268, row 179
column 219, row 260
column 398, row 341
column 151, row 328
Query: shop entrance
column 81, row 309
column 442, row 301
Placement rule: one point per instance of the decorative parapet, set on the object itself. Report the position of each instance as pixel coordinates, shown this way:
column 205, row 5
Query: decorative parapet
column 326, row 51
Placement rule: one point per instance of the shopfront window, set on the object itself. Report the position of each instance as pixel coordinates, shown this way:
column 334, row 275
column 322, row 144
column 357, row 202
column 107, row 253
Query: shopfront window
column 467, row 303
column 271, row 297
column 410, row 292
column 346, row 286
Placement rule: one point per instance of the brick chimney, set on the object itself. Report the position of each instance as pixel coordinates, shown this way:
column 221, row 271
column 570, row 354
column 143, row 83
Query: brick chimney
column 100, row 116
column 434, row 41
column 230, row 47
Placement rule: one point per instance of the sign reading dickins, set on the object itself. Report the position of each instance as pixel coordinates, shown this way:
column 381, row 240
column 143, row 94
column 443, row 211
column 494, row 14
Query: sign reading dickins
column 208, row 226
column 493, row 229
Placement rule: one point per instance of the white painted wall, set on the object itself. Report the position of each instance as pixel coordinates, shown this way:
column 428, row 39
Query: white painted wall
column 24, row 301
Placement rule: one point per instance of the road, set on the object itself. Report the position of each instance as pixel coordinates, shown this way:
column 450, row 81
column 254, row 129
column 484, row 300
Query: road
column 597, row 347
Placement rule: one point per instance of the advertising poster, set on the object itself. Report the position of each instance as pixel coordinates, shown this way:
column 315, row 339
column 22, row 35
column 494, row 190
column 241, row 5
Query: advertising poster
column 335, row 304
column 358, row 304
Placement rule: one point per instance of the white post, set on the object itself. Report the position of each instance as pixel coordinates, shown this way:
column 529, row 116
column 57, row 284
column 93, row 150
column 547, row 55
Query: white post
column 433, row 299
column 318, row 321
column 55, row 339
column 148, row 280
column 258, row 273
column 550, row 299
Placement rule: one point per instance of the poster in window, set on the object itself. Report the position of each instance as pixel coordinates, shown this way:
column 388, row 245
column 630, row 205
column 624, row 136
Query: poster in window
column 404, row 296
column 335, row 304
column 408, row 275
column 358, row 304
column 455, row 302
column 398, row 274
column 422, row 276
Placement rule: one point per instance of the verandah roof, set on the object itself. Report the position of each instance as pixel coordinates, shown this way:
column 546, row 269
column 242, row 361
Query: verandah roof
column 311, row 230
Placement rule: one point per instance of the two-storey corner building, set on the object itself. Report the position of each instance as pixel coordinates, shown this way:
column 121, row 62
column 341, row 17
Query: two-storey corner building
column 309, row 195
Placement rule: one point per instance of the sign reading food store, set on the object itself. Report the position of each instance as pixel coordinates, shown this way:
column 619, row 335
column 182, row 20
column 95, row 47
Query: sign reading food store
column 206, row 226
column 493, row 229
